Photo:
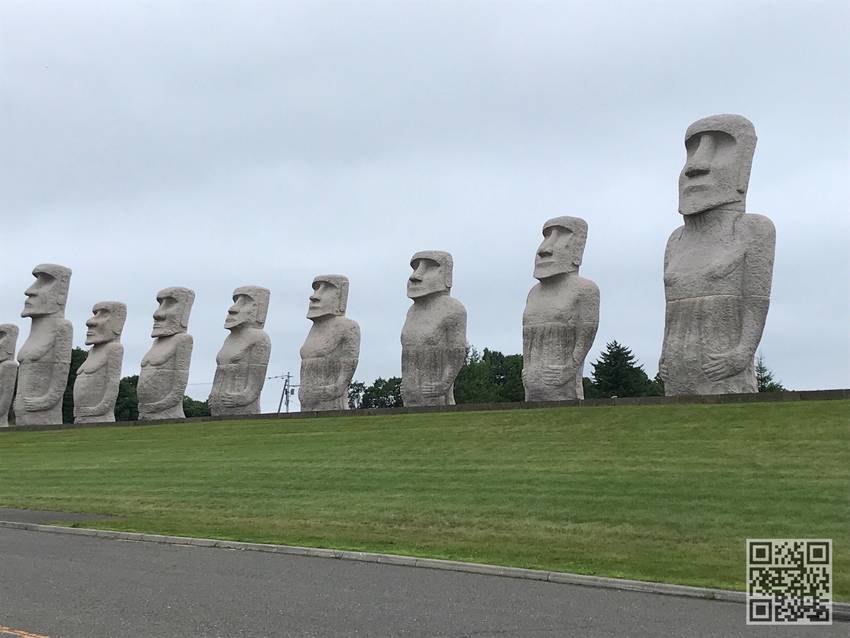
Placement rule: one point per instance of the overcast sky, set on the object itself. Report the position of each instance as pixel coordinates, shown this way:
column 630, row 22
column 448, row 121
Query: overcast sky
column 213, row 145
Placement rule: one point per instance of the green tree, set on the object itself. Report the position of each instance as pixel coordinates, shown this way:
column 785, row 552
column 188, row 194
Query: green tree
column 383, row 393
column 127, row 404
column 191, row 407
column 78, row 356
column 490, row 377
column 618, row 374
column 590, row 390
column 764, row 377
column 355, row 394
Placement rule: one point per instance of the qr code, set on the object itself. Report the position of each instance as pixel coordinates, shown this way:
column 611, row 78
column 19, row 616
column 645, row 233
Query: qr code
column 789, row 581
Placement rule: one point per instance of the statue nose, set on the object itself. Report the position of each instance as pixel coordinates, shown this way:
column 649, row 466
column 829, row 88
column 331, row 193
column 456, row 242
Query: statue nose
column 695, row 169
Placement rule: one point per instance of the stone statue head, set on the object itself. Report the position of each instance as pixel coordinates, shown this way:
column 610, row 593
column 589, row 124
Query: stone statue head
column 717, row 169
column 49, row 292
column 330, row 296
column 562, row 247
column 172, row 316
column 432, row 273
column 250, row 307
column 8, row 341
column 106, row 322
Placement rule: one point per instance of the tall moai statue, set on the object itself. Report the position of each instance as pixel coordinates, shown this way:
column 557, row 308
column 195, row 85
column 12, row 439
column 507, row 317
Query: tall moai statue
column 561, row 315
column 45, row 357
column 8, row 370
column 165, row 367
column 433, row 340
column 718, row 266
column 243, row 360
column 331, row 351
column 96, row 386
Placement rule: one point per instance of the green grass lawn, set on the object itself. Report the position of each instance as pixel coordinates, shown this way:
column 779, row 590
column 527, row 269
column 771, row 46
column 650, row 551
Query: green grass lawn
column 662, row 493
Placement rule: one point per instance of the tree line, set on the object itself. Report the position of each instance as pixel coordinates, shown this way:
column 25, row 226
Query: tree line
column 486, row 377
column 493, row 377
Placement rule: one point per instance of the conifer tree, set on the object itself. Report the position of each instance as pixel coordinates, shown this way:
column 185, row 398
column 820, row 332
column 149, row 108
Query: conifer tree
column 618, row 374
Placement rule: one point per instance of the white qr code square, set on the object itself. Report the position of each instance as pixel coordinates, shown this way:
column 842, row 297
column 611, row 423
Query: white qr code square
column 789, row 581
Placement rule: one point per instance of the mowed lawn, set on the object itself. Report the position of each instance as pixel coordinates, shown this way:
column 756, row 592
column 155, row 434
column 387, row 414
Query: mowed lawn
column 661, row 493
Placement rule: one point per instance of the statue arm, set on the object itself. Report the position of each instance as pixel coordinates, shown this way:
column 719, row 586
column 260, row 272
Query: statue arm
column 62, row 341
column 349, row 350
column 662, row 361
column 348, row 361
column 455, row 334
column 758, row 275
column 182, row 359
column 213, row 398
column 8, row 374
column 258, row 363
column 114, row 359
column 588, row 323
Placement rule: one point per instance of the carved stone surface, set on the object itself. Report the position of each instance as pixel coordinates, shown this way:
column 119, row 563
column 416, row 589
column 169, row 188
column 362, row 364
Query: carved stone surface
column 561, row 315
column 331, row 351
column 8, row 369
column 165, row 367
column 433, row 339
column 718, row 266
column 96, row 386
column 242, row 362
column 45, row 357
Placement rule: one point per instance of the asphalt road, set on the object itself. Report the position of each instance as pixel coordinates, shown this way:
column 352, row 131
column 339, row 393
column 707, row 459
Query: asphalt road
column 72, row 586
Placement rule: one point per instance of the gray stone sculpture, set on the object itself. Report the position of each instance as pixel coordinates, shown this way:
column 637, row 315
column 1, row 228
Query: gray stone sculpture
column 718, row 266
column 45, row 357
column 561, row 315
column 165, row 368
column 8, row 369
column 242, row 362
column 96, row 386
column 433, row 340
column 331, row 351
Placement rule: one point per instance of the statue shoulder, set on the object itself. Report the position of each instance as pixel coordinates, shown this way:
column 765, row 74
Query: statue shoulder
column 454, row 307
column 675, row 235
column 114, row 348
column 350, row 326
column 758, row 227
column 587, row 288
column 184, row 339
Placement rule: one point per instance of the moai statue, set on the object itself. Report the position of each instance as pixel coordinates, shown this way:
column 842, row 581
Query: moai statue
column 8, row 369
column 45, row 357
column 561, row 315
column 165, row 368
column 96, row 386
column 433, row 340
column 330, row 354
column 718, row 266
column 242, row 362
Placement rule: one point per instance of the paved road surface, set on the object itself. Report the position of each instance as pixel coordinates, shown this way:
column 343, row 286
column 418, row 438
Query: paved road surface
column 72, row 586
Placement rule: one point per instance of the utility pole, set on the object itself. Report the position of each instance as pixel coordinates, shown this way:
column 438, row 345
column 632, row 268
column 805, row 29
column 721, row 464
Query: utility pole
column 288, row 390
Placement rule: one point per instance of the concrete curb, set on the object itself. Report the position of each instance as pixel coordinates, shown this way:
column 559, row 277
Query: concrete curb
column 841, row 611
column 706, row 399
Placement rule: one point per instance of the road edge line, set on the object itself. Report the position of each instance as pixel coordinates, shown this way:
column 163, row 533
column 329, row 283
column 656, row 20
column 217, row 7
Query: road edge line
column 841, row 611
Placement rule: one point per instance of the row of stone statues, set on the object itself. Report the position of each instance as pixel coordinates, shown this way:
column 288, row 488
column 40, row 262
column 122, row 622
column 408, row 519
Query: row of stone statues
column 717, row 277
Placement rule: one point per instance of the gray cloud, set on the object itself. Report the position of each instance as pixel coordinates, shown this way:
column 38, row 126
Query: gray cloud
column 213, row 146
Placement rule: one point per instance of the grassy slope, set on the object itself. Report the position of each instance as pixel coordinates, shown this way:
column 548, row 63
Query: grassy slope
column 665, row 493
